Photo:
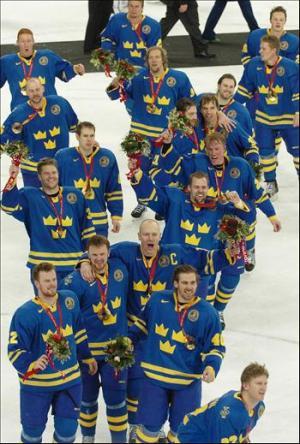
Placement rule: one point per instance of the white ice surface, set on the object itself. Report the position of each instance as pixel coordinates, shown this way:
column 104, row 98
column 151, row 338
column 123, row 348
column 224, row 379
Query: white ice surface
column 262, row 318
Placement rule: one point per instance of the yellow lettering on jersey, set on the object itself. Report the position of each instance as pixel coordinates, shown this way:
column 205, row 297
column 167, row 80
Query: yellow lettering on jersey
column 217, row 339
column 173, row 259
column 13, row 337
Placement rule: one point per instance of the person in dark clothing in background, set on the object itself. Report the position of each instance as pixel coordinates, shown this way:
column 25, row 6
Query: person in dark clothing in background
column 216, row 13
column 99, row 13
column 187, row 13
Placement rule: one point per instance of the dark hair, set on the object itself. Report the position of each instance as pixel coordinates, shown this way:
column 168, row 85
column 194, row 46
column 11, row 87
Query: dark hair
column 98, row 241
column 198, row 175
column 184, row 269
column 272, row 41
column 43, row 266
column 184, row 104
column 208, row 98
column 45, row 162
column 278, row 9
column 82, row 125
column 253, row 370
column 227, row 76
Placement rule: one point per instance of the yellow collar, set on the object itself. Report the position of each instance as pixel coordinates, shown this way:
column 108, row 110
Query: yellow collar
column 44, row 305
column 28, row 62
column 89, row 158
column 103, row 278
column 181, row 307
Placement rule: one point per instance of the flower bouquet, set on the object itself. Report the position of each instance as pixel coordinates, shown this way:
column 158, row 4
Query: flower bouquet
column 135, row 146
column 177, row 122
column 103, row 59
column 16, row 151
column 120, row 354
column 232, row 229
column 124, row 71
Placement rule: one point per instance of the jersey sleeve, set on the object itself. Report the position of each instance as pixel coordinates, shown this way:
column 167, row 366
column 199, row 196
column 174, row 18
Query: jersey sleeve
column 213, row 348
column 246, row 86
column 113, row 192
column 109, row 35
column 63, row 68
column 14, row 203
column 80, row 334
column 71, row 116
column 3, row 76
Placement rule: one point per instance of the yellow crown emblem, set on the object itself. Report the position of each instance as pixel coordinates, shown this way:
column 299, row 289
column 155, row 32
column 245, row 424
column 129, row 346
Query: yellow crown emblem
column 116, row 303
column 148, row 99
column 56, row 235
column 161, row 330
column 50, row 144
column 167, row 347
column 140, row 286
column 212, row 192
column 136, row 53
column 192, row 240
column 97, row 308
column 144, row 300
column 52, row 221
column 40, row 135
column 67, row 331
column 159, row 286
column 94, row 183
column 140, row 45
column 163, row 101
column 127, row 45
column 202, row 145
column 179, row 336
column 55, row 131
column 23, row 83
column 265, row 89
column 67, row 221
column 42, row 80
column 204, row 229
column 112, row 319
column 186, row 225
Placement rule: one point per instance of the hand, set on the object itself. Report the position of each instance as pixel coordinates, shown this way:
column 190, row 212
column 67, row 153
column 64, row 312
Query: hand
column 296, row 120
column 93, row 367
column 87, row 272
column 14, row 170
column 41, row 363
column 233, row 197
column 79, row 69
column 208, row 374
column 167, row 136
column 133, row 165
column 116, row 226
column 114, row 83
column 276, row 224
column 183, row 8
column 225, row 122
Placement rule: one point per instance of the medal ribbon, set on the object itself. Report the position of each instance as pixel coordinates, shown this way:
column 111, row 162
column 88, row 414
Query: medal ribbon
column 151, row 272
column 27, row 74
column 50, row 315
column 87, row 171
column 103, row 293
column 271, row 77
column 59, row 215
column 194, row 139
column 181, row 317
column 225, row 107
column 219, row 182
column 138, row 30
column 211, row 204
column 154, row 93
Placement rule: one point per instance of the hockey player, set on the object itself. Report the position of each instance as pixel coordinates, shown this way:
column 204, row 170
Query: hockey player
column 233, row 416
column 130, row 35
column 289, row 43
column 183, row 344
column 276, row 81
column 226, row 173
column 55, row 218
column 151, row 266
column 43, row 124
column 103, row 305
column 44, row 64
column 154, row 92
column 93, row 170
column 45, row 380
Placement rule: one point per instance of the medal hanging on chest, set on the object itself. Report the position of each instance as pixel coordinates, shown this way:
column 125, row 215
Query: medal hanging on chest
column 190, row 343
column 27, row 75
column 87, row 190
column 151, row 107
column 272, row 96
column 151, row 273
column 104, row 313
column 60, row 231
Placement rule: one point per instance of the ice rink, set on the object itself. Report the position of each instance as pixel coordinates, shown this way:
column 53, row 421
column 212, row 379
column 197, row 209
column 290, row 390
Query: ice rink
column 262, row 318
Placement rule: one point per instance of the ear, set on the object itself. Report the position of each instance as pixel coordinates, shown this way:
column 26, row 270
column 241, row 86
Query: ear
column 175, row 284
column 77, row 136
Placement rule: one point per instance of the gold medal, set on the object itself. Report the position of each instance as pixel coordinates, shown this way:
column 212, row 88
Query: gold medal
column 60, row 231
column 190, row 346
column 272, row 96
column 103, row 314
column 151, row 109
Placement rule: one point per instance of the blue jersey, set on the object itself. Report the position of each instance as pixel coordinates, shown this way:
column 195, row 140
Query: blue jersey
column 238, row 112
column 167, row 358
column 289, row 45
column 44, row 64
column 276, row 111
column 151, row 123
column 43, row 132
column 101, row 331
column 29, row 329
column 103, row 171
column 47, row 243
column 128, row 41
column 223, row 420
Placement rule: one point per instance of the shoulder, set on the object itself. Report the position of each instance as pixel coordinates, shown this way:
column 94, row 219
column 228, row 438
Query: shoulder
column 118, row 268
column 290, row 64
column 65, row 153
column 68, row 299
column 292, row 38
column 72, row 194
column 31, row 192
column 105, row 156
column 19, row 110
column 258, row 33
column 160, row 296
column 180, row 75
column 9, row 58
column 118, row 17
column 150, row 21
column 74, row 278
column 26, row 314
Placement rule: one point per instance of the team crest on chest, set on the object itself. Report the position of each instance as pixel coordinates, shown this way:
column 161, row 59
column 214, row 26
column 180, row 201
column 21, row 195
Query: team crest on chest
column 280, row 71
column 71, row 198
column 232, row 114
column 69, row 303
column 193, row 315
column 104, row 161
column 235, row 173
column 146, row 29
column 164, row 261
column 55, row 109
column 224, row 412
column 284, row 45
column 171, row 81
column 118, row 275
column 43, row 60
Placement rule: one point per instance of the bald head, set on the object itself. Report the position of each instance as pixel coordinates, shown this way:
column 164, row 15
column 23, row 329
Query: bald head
column 34, row 90
column 149, row 236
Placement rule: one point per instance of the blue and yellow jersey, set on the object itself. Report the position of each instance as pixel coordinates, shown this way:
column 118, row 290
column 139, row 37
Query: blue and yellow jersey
column 175, row 85
column 29, row 329
column 129, row 42
column 223, row 420
column 167, row 358
column 43, row 132
column 277, row 111
column 238, row 112
column 44, row 64
column 289, row 45
column 106, row 190
column 31, row 206
column 101, row 331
